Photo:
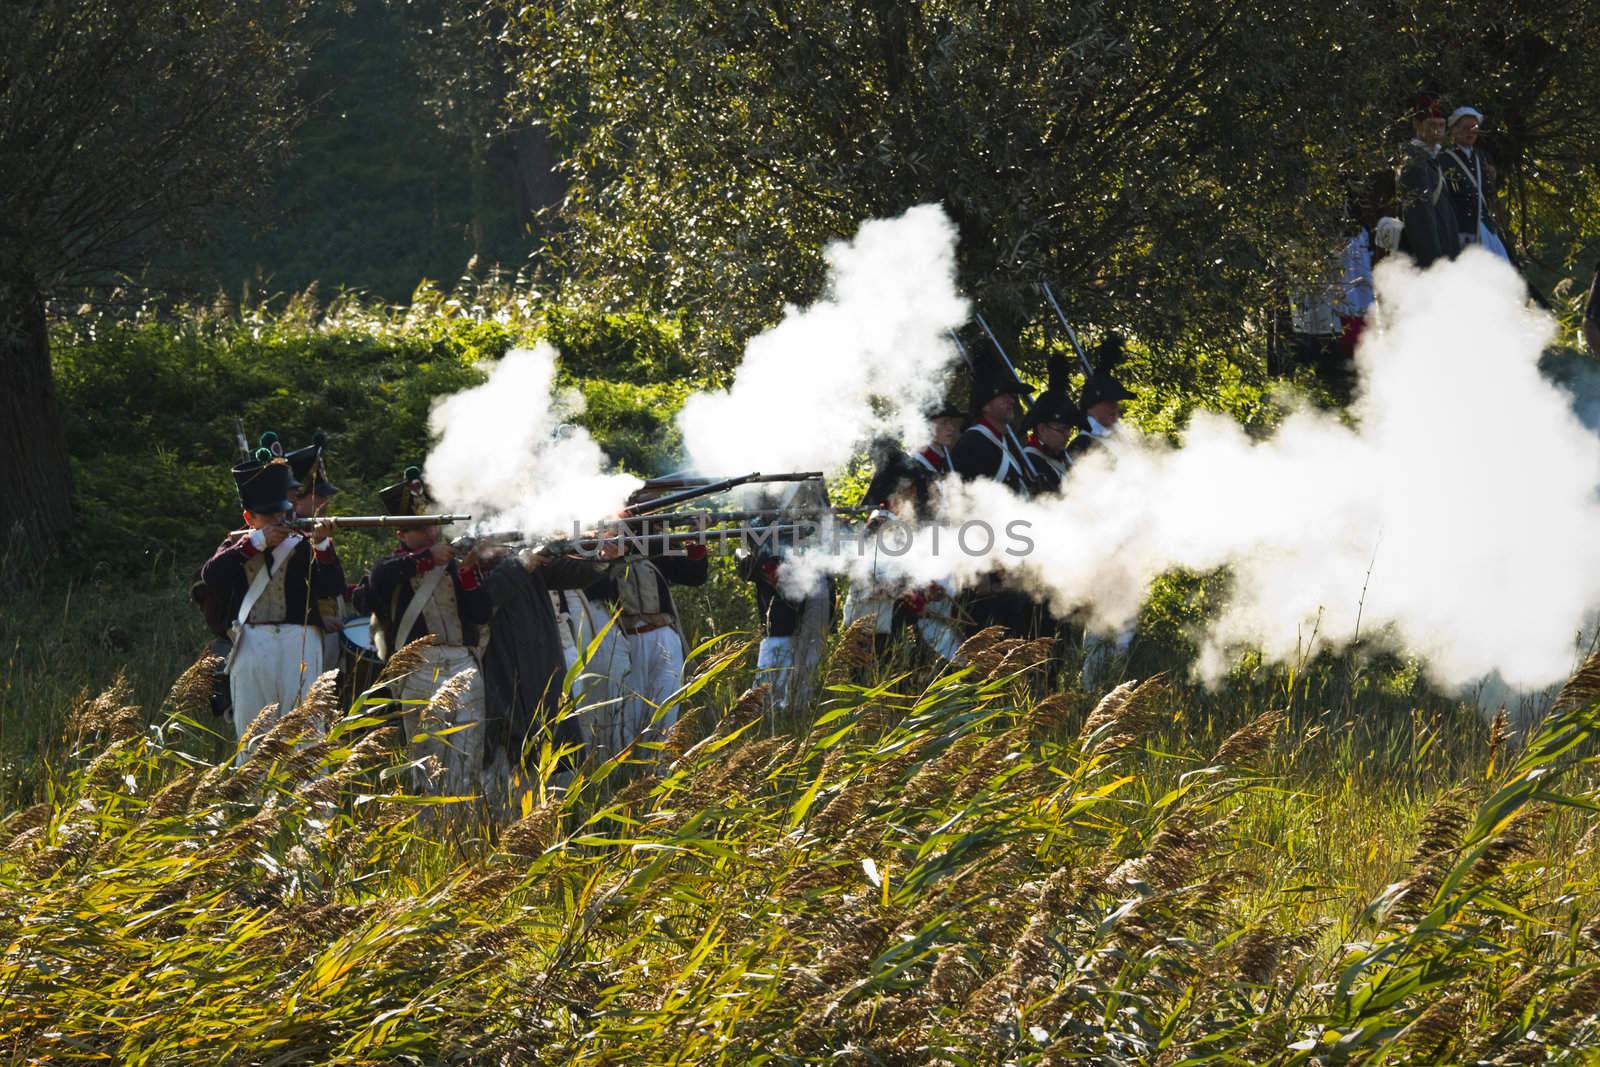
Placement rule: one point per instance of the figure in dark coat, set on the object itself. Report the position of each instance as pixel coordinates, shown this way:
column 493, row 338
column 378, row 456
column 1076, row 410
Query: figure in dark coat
column 1426, row 207
column 262, row 586
column 523, row 666
column 988, row 448
column 1050, row 422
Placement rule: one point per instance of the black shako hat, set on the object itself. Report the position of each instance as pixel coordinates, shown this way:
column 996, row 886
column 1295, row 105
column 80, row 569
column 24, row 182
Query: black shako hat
column 409, row 496
column 992, row 379
column 308, row 467
column 1054, row 407
column 1101, row 387
column 263, row 484
column 1055, row 403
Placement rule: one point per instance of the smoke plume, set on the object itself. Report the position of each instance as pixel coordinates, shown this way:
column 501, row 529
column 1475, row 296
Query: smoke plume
column 507, row 452
column 867, row 358
column 1458, row 518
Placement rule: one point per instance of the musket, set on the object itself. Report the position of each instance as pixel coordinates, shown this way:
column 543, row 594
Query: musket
column 650, row 543
column 1072, row 335
column 377, row 522
column 1012, row 367
column 691, row 481
column 648, row 507
column 244, row 443
column 714, row 518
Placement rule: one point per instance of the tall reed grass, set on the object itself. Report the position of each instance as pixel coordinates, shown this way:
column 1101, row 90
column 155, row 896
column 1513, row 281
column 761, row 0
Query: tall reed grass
column 956, row 867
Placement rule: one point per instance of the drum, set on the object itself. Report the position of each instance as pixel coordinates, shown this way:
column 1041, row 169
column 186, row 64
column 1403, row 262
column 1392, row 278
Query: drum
column 355, row 638
column 221, row 692
column 358, row 654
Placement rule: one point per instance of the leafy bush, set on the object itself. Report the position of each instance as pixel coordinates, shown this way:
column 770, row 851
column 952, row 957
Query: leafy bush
column 152, row 404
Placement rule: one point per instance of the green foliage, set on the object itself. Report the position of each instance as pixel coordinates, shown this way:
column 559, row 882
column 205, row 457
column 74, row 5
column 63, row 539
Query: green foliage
column 1171, row 166
column 924, row 867
column 151, row 443
column 127, row 119
column 152, row 404
column 376, row 195
column 626, row 347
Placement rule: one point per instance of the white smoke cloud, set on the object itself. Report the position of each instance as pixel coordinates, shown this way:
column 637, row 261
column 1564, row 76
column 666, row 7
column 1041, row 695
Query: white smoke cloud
column 867, row 358
column 1467, row 488
column 507, row 453
column 1457, row 516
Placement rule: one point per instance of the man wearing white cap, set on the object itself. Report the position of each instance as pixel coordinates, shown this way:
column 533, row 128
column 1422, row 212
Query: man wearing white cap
column 1469, row 175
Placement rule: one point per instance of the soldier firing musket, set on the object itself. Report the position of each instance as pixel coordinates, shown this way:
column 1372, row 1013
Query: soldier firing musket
column 262, row 589
column 426, row 587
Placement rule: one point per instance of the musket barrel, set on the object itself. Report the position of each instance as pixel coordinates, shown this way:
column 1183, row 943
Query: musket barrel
column 636, row 543
column 378, row 522
column 698, row 488
column 660, row 503
column 687, row 518
column 1072, row 335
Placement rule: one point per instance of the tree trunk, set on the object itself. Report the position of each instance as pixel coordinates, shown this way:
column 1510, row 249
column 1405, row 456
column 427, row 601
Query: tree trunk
column 539, row 184
column 35, row 476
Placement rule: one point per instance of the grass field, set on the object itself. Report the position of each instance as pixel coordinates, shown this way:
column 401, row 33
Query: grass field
column 966, row 867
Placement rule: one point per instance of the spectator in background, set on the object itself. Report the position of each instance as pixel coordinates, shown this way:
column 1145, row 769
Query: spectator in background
column 1431, row 232
column 1470, row 176
column 1328, row 320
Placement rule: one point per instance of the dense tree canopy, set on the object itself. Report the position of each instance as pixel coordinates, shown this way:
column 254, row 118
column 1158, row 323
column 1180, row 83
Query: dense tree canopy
column 1167, row 163
column 121, row 123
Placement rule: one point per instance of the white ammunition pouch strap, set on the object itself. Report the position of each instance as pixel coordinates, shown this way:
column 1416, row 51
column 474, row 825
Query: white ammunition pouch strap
column 419, row 600
column 258, row 585
column 921, row 458
column 1008, row 462
column 1058, row 465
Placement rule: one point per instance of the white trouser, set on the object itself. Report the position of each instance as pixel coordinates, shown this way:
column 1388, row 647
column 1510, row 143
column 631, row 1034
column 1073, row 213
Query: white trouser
column 655, row 673
column 941, row 635
column 1103, row 657
column 775, row 667
column 935, row 627
column 861, row 603
column 460, row 753
column 789, row 664
column 272, row 670
column 598, row 687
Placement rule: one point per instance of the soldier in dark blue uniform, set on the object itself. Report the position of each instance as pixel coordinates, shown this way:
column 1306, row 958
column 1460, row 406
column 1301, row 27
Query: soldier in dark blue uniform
column 262, row 586
column 1051, row 421
column 988, row 448
column 1426, row 207
column 422, row 589
column 1100, row 401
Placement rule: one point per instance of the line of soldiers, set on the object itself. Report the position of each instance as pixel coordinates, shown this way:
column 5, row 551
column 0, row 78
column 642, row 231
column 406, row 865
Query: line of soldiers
column 979, row 441
column 513, row 632
column 505, row 629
